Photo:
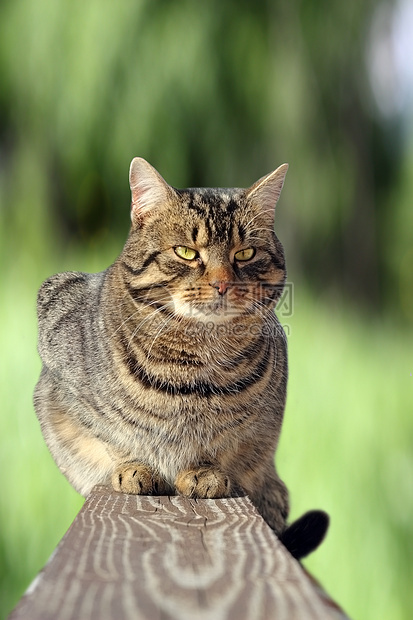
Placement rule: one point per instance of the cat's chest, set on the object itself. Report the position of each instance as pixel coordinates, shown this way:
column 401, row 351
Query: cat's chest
column 204, row 400
column 207, row 365
column 193, row 406
column 215, row 380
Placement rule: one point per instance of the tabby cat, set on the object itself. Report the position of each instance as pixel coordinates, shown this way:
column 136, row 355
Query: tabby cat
column 167, row 372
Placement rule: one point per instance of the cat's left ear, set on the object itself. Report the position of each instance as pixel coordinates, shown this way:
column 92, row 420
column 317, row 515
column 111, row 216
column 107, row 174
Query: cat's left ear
column 149, row 189
column 266, row 191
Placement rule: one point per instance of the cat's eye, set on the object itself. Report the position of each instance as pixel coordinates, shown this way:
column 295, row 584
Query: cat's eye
column 186, row 253
column 244, row 255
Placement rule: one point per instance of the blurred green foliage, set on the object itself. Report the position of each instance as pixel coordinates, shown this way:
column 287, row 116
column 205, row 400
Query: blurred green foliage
column 219, row 93
column 211, row 93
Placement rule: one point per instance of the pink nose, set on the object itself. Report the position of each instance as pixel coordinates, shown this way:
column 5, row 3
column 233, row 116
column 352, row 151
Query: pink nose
column 221, row 286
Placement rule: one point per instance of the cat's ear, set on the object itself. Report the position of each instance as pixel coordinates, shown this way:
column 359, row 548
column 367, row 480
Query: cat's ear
column 266, row 191
column 149, row 189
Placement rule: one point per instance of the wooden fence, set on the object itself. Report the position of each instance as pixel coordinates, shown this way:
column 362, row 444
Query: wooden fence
column 163, row 558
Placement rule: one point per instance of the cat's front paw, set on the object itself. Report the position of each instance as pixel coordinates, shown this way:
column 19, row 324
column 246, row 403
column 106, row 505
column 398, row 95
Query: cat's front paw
column 203, row 483
column 139, row 479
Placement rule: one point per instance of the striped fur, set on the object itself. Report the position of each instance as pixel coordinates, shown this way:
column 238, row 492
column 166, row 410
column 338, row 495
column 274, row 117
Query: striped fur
column 167, row 375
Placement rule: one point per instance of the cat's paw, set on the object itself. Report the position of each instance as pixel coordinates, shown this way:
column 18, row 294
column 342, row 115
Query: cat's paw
column 139, row 479
column 203, row 483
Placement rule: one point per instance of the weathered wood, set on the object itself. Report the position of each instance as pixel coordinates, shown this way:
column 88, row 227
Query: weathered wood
column 150, row 558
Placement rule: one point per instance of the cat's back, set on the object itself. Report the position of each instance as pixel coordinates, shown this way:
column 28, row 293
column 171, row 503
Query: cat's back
column 66, row 302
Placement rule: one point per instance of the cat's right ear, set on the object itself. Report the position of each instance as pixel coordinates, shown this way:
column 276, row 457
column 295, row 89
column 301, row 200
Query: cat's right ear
column 149, row 189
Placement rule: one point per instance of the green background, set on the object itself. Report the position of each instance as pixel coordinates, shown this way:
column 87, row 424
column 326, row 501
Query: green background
column 219, row 93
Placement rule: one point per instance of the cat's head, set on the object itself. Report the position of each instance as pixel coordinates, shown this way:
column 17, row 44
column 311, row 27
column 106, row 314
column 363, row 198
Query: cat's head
column 208, row 254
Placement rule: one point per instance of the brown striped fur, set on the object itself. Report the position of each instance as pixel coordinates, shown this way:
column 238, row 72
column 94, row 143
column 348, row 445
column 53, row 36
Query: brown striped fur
column 168, row 375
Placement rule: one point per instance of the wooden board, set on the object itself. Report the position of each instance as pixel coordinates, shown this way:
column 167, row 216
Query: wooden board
column 164, row 558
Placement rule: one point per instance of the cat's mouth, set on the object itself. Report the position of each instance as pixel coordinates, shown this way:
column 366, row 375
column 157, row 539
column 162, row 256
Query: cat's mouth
column 217, row 310
column 203, row 303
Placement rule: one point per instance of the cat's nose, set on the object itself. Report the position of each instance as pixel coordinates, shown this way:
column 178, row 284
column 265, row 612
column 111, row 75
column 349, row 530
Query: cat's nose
column 221, row 286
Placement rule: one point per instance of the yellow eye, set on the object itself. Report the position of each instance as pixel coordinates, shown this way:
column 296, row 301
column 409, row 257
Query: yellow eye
column 246, row 254
column 187, row 253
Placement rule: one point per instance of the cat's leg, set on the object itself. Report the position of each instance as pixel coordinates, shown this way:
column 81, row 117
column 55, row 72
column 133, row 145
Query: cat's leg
column 204, row 482
column 267, row 491
column 301, row 537
column 252, row 470
column 271, row 501
column 139, row 479
column 81, row 456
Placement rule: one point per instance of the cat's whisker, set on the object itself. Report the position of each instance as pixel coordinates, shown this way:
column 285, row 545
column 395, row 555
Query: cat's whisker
column 258, row 237
column 265, row 311
column 261, row 238
column 138, row 311
column 139, row 326
column 260, row 214
column 123, row 323
column 164, row 324
column 177, row 331
column 149, row 317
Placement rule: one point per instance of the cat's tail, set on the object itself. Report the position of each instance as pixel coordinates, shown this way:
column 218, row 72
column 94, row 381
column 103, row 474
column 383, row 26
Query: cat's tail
column 306, row 533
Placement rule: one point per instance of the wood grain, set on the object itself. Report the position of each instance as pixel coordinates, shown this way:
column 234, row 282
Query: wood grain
column 164, row 558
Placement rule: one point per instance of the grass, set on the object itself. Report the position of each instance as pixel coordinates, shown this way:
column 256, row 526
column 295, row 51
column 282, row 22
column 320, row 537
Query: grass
column 346, row 447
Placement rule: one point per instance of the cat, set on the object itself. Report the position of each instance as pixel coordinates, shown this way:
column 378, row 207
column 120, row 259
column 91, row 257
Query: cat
column 167, row 372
